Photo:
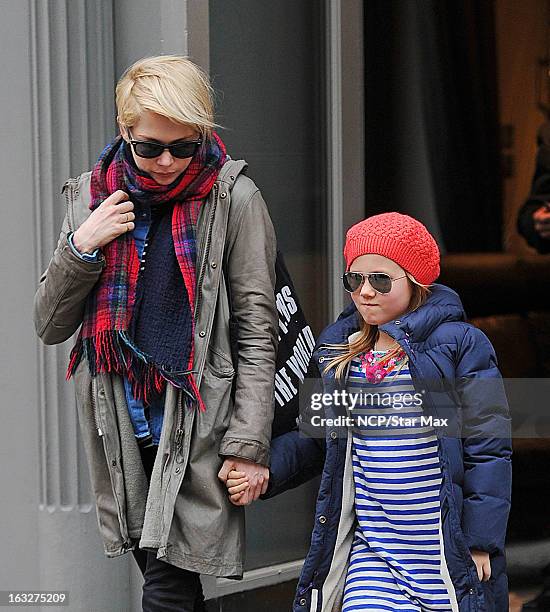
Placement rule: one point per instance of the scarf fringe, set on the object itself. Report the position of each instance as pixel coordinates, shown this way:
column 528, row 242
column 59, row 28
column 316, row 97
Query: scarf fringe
column 113, row 351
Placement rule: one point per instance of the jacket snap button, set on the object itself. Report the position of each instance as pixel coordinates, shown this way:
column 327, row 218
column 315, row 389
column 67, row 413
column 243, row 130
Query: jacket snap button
column 321, row 359
column 472, row 591
column 322, row 520
column 303, row 601
column 232, row 178
column 223, row 195
column 333, row 435
column 202, row 334
column 398, row 322
column 214, row 264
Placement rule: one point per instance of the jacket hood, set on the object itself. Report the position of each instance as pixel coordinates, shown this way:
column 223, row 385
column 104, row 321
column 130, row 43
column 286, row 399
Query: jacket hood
column 443, row 305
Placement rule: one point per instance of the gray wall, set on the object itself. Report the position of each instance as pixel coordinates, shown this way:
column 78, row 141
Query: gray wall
column 18, row 450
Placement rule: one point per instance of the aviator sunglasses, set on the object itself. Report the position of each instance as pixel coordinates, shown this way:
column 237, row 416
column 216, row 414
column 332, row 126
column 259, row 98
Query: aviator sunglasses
column 149, row 150
column 379, row 281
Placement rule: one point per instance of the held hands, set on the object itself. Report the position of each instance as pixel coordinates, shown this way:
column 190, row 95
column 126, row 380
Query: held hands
column 483, row 564
column 110, row 219
column 541, row 218
column 245, row 480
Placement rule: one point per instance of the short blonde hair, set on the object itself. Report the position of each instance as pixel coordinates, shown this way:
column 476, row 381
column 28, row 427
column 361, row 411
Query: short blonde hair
column 169, row 85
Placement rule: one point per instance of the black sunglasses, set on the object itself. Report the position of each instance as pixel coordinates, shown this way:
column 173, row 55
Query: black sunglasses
column 379, row 281
column 181, row 150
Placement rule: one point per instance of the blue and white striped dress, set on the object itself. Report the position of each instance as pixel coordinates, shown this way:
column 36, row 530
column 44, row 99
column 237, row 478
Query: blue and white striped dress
column 396, row 560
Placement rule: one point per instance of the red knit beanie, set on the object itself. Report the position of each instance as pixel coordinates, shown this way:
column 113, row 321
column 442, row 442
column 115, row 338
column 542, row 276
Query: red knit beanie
column 399, row 238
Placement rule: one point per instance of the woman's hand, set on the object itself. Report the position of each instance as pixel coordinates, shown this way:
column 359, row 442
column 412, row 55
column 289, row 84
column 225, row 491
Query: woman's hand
column 256, row 475
column 110, row 219
column 483, row 564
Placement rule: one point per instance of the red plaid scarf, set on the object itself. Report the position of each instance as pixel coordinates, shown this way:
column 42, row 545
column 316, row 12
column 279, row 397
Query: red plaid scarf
column 104, row 339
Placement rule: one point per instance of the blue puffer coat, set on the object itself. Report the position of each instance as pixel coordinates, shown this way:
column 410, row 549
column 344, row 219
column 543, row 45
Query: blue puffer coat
column 476, row 463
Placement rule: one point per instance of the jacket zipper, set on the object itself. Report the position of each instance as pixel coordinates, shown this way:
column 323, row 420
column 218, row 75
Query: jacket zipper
column 68, row 190
column 206, row 250
column 178, row 439
column 94, row 408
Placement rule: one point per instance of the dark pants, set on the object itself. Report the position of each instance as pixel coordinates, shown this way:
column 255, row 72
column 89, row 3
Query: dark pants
column 166, row 587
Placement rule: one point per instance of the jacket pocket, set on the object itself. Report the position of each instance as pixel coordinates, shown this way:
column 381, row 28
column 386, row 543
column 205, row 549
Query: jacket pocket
column 219, row 363
column 215, row 390
column 489, row 595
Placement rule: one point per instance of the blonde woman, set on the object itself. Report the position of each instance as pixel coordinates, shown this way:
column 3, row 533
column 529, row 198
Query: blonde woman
column 152, row 234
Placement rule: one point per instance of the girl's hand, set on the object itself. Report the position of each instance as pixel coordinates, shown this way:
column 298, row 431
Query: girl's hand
column 257, row 475
column 483, row 564
column 236, row 483
column 110, row 219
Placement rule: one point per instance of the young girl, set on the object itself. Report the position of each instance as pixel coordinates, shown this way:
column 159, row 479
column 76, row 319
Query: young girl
column 413, row 516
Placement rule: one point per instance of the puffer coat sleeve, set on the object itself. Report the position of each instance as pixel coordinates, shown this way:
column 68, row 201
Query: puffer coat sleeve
column 487, row 445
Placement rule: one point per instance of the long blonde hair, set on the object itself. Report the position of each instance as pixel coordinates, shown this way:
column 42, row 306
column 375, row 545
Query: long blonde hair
column 368, row 334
